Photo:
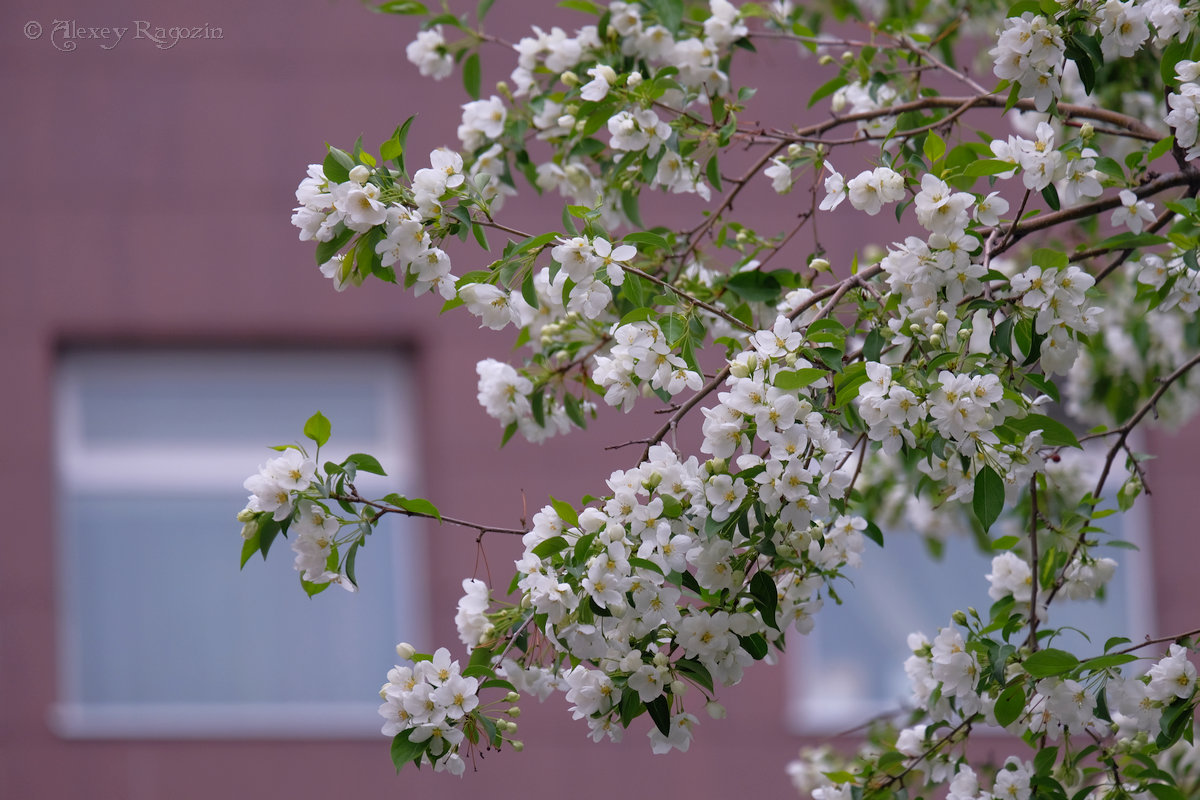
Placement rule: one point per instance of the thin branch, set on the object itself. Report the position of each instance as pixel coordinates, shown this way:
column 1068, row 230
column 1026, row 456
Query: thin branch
column 383, row 508
column 1159, row 640
column 725, row 315
column 1130, row 125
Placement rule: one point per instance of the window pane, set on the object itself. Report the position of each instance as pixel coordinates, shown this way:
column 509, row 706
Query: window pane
column 850, row 667
column 161, row 632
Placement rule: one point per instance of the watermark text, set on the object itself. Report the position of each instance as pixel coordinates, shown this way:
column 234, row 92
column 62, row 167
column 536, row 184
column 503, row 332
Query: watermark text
column 67, row 34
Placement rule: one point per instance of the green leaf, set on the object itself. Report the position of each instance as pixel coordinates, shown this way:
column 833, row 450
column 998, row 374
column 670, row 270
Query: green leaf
column 791, row 380
column 873, row 346
column 1160, row 149
column 565, row 512
column 754, row 286
column 1054, row 433
column 847, row 384
column 404, row 751
column 402, row 7
column 365, row 463
column 987, row 166
column 756, row 645
column 1128, row 241
column 536, row 401
column 934, row 147
column 1047, row 258
column 696, row 671
column 335, row 167
column 660, row 712
column 826, row 89
column 1050, row 662
column 1009, row 705
column 483, row 8
column 1113, row 641
column 327, row 250
column 317, row 428
column 414, row 504
column 250, row 545
column 551, row 546
column 766, row 597
column 1050, row 195
column 585, row 6
column 1164, row 791
column 989, row 496
column 629, row 708
column 712, row 171
column 650, row 239
column 1107, row 662
column 1044, row 761
column 471, row 75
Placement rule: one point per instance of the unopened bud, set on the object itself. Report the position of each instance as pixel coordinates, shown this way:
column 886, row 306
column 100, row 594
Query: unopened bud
column 512, row 726
column 405, row 650
column 914, row 329
column 819, row 264
column 512, row 697
column 567, row 121
column 634, row 79
column 517, row 746
column 943, row 317
column 651, row 483
column 938, row 329
column 248, row 530
column 514, row 712
column 959, row 618
column 569, row 78
column 245, row 515
column 825, row 60
column 661, row 659
column 935, row 340
column 678, row 688
column 739, row 370
column 794, row 150
column 716, row 466
column 359, row 174
column 1087, row 131
column 715, row 709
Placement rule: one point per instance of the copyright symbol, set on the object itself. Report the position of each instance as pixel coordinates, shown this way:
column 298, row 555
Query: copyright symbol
column 33, row 29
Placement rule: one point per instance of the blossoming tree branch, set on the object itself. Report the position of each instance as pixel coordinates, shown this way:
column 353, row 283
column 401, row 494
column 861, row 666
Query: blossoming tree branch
column 1048, row 287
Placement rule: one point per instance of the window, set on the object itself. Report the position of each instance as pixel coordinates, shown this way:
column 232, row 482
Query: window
column 850, row 668
column 160, row 634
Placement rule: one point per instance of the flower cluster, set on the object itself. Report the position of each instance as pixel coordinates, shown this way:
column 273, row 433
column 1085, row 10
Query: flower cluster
column 274, row 486
column 430, row 702
column 641, row 357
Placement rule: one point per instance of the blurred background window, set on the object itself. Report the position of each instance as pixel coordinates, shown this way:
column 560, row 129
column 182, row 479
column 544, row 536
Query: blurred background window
column 159, row 632
column 850, row 668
